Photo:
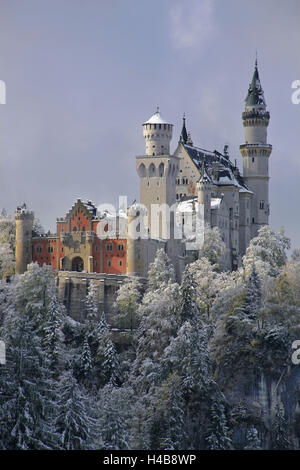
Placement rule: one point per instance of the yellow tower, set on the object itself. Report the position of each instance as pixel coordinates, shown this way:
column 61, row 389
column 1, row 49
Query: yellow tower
column 24, row 224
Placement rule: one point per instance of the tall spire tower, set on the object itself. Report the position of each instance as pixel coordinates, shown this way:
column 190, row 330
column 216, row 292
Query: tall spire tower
column 256, row 151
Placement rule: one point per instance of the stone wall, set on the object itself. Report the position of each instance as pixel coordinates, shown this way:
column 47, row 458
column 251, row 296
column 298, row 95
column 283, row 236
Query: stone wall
column 73, row 287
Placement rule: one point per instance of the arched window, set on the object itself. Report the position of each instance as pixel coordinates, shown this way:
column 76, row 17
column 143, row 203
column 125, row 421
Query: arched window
column 142, row 170
column 161, row 169
column 152, row 170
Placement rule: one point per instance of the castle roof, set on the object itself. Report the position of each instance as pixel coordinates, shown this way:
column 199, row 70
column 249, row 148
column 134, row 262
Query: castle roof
column 184, row 134
column 156, row 119
column 228, row 173
column 255, row 94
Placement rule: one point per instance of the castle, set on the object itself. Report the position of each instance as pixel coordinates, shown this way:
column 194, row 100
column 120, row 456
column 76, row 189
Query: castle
column 204, row 188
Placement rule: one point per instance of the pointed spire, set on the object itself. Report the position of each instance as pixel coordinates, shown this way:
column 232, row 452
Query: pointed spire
column 255, row 94
column 202, row 169
column 204, row 178
column 183, row 135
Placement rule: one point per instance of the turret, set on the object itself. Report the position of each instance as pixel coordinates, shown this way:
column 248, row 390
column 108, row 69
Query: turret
column 157, row 134
column 256, row 151
column 184, row 134
column 135, row 239
column 24, row 224
column 204, row 186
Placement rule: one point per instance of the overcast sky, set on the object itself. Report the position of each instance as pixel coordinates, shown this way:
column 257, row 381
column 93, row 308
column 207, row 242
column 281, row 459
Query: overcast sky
column 82, row 77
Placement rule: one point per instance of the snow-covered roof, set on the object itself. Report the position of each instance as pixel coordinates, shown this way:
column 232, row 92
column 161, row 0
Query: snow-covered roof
column 228, row 174
column 192, row 204
column 215, row 202
column 156, row 119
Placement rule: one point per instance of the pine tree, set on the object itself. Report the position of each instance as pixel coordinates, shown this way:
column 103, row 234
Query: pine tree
column 253, row 295
column 214, row 248
column 161, row 271
column 167, row 431
column 91, row 304
column 107, row 360
column 85, row 364
column 188, row 355
column 28, row 395
column 127, row 303
column 280, row 432
column 75, row 424
column 53, row 337
column 158, row 324
column 218, row 438
column 115, row 406
column 188, row 308
column 252, row 440
column 267, row 251
column 35, row 291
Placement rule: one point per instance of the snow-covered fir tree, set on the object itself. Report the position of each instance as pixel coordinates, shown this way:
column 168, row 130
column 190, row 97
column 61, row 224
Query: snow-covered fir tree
column 159, row 323
column 114, row 411
column 127, row 303
column 267, row 251
column 75, row 423
column 213, row 249
column 280, row 431
column 85, row 364
column 161, row 271
column 218, row 438
column 252, row 439
column 167, row 428
column 28, row 394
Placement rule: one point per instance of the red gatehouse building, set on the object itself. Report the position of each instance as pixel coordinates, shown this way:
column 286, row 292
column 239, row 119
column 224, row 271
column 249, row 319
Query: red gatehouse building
column 84, row 241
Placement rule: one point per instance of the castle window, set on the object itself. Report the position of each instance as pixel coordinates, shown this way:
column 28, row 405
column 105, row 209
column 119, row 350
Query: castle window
column 50, row 249
column 108, row 263
column 39, row 249
column 252, row 159
column 120, row 247
column 253, row 220
column 120, row 263
column 75, row 229
column 109, row 247
column 262, row 205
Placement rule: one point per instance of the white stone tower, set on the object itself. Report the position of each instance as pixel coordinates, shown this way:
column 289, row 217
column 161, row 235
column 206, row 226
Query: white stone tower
column 158, row 135
column 24, row 224
column 255, row 152
column 157, row 171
